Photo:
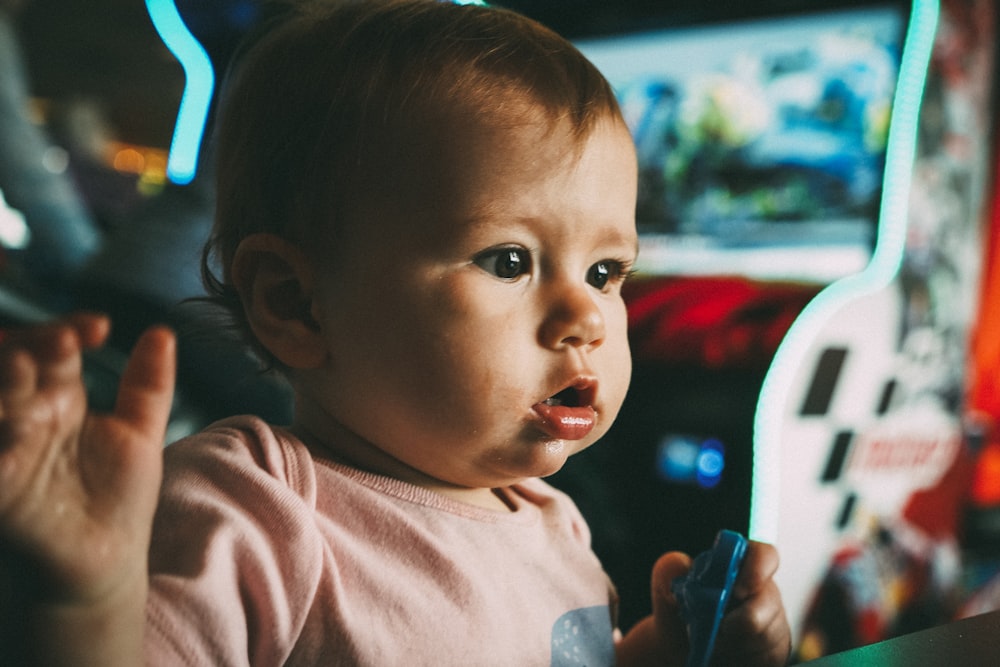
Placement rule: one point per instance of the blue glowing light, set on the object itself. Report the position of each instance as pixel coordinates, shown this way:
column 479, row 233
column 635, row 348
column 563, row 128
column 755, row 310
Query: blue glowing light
column 711, row 462
column 691, row 460
column 182, row 163
column 881, row 270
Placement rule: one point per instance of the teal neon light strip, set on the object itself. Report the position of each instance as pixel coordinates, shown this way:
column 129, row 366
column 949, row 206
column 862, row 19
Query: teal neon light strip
column 192, row 114
column 881, row 270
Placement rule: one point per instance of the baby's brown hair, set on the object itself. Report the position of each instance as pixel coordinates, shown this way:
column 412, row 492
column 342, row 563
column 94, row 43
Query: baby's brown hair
column 314, row 108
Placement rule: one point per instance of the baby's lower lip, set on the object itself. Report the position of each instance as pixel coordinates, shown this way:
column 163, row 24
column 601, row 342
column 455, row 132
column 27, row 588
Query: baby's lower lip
column 566, row 423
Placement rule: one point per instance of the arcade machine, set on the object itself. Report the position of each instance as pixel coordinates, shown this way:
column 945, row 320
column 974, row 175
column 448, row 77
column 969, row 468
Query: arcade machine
column 813, row 188
column 862, row 448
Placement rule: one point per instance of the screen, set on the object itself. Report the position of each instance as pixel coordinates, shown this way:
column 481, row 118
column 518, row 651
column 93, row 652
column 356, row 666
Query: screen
column 761, row 143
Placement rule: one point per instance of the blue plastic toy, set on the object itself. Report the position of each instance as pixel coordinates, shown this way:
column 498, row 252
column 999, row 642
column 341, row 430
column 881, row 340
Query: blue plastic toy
column 704, row 592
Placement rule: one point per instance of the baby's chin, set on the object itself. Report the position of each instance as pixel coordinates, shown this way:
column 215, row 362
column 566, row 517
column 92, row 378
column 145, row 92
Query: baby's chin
column 550, row 457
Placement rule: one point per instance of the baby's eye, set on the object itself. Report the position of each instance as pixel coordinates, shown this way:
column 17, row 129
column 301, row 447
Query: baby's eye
column 608, row 271
column 505, row 263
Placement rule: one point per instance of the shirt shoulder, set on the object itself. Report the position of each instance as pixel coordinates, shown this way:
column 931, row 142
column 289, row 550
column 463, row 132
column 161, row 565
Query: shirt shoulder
column 237, row 449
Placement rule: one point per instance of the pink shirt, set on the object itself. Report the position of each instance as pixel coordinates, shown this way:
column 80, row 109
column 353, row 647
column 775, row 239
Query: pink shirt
column 265, row 555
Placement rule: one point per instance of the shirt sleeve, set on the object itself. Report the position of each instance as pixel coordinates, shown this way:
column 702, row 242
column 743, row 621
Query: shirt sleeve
column 235, row 558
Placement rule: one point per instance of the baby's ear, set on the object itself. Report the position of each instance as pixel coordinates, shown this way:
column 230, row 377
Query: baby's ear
column 275, row 281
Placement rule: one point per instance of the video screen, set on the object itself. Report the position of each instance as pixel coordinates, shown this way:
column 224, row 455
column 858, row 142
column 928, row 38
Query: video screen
column 761, row 143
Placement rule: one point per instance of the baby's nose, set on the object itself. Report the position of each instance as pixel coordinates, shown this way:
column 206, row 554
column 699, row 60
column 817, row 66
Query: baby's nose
column 573, row 320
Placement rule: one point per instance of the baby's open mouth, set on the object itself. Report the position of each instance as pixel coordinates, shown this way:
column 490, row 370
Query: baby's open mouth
column 580, row 394
column 568, row 397
column 569, row 414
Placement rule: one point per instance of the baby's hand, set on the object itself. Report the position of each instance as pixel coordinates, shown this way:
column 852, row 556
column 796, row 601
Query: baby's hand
column 78, row 490
column 754, row 631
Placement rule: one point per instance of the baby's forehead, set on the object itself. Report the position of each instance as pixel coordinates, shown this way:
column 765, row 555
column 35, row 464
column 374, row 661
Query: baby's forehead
column 445, row 139
column 439, row 131
column 462, row 162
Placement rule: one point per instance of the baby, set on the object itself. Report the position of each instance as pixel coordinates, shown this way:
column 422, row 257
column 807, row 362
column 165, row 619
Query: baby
column 425, row 217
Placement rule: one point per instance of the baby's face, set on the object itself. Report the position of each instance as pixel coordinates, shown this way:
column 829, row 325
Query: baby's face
column 475, row 328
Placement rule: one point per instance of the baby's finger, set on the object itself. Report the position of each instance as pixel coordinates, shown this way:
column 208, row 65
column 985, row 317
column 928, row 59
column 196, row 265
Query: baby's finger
column 755, row 632
column 146, row 391
column 662, row 634
column 757, row 571
column 666, row 609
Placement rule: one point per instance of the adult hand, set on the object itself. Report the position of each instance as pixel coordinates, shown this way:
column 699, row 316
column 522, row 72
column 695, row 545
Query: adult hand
column 78, row 490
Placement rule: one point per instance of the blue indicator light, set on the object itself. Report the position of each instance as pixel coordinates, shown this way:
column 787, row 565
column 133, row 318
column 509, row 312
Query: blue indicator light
column 690, row 460
column 185, row 146
column 711, row 462
column 677, row 458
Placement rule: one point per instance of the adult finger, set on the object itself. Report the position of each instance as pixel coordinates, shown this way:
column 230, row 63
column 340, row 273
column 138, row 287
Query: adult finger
column 145, row 393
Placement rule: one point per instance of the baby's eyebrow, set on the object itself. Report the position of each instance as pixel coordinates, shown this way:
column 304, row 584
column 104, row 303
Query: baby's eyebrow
column 494, row 218
column 624, row 240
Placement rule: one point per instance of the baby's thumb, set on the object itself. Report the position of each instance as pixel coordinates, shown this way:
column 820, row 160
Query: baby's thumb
column 666, row 610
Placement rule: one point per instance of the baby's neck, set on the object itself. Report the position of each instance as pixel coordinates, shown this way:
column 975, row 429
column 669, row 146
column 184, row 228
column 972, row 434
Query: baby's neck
column 373, row 460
